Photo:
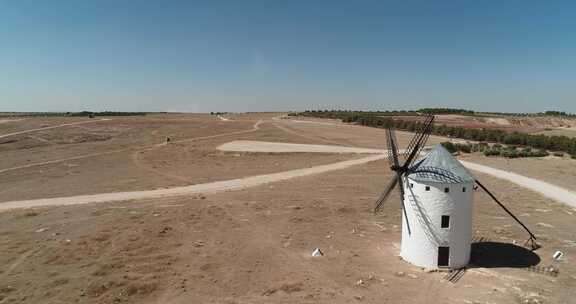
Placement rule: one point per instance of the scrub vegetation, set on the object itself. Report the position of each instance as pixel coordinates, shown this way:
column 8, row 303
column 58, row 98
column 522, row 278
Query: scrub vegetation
column 383, row 120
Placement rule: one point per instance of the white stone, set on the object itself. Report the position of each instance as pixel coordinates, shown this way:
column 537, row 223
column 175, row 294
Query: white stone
column 558, row 255
column 317, row 252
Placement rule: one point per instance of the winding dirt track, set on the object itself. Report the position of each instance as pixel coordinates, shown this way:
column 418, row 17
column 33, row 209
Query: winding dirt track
column 233, row 184
column 546, row 189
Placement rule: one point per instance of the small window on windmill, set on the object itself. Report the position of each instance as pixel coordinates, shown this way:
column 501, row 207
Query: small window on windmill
column 446, row 190
column 427, row 188
column 463, row 189
column 411, row 185
column 445, row 221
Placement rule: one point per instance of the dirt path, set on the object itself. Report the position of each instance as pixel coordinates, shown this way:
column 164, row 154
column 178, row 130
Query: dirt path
column 551, row 191
column 214, row 187
column 274, row 147
column 548, row 190
column 52, row 127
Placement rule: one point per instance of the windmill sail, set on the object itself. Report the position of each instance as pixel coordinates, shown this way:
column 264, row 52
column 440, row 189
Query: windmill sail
column 414, row 147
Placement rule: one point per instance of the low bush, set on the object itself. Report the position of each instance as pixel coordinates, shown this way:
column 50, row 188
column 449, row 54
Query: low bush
column 449, row 146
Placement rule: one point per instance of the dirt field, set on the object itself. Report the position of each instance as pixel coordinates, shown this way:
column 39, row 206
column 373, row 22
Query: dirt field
column 537, row 124
column 570, row 132
column 251, row 245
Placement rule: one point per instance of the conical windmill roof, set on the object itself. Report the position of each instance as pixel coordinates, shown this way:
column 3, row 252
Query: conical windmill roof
column 441, row 167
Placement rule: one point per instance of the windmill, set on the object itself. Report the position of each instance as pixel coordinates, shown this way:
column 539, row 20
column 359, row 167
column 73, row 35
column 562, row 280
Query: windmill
column 436, row 198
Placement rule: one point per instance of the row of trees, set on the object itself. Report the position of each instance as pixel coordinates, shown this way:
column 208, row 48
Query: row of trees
column 541, row 142
column 71, row 114
column 445, row 111
column 105, row 113
column 318, row 113
column 498, row 150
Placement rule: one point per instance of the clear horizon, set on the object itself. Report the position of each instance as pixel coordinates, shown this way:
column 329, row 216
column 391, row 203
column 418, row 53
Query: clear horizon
column 240, row 56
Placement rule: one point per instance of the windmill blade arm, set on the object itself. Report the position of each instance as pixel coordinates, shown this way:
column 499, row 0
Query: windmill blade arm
column 386, row 193
column 394, row 147
column 420, row 142
column 532, row 236
column 390, row 147
column 402, row 194
column 418, row 139
column 417, row 135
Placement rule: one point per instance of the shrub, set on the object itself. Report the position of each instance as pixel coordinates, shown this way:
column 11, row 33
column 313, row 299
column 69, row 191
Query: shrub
column 491, row 152
column 509, row 153
column 558, row 154
column 449, row 146
column 463, row 147
column 540, row 153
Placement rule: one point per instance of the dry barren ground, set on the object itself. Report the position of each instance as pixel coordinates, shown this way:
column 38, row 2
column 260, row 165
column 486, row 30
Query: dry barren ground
column 251, row 245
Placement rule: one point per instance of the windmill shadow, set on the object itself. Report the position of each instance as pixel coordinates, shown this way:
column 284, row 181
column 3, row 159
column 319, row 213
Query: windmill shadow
column 496, row 255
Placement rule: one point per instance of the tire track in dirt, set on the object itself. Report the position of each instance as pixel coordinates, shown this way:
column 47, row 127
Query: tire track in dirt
column 138, row 163
column 18, row 261
column 254, row 128
column 52, row 127
column 290, row 131
column 62, row 160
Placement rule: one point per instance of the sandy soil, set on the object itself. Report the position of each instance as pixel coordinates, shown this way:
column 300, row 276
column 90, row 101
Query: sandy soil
column 184, row 161
column 570, row 132
column 3, row 121
column 252, row 245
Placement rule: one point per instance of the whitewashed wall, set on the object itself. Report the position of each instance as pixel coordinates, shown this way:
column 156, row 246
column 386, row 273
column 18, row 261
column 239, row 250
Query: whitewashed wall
column 424, row 210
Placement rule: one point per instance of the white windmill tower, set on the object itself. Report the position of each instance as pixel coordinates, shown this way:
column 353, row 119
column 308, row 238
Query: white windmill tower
column 437, row 199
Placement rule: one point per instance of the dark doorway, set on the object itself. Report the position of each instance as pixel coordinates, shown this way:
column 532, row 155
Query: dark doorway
column 443, row 256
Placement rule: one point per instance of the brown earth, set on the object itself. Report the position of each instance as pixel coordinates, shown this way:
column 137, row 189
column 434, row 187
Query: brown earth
column 252, row 245
column 537, row 124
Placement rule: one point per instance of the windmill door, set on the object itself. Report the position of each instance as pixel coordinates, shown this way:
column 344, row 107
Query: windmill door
column 443, row 256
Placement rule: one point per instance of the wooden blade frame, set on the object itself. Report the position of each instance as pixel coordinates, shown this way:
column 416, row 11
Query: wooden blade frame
column 414, row 139
column 420, row 141
column 395, row 165
column 386, row 193
column 402, row 201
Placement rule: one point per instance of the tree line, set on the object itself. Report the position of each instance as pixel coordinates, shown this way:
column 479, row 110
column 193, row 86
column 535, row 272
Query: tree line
column 375, row 119
column 72, row 114
column 509, row 151
column 105, row 113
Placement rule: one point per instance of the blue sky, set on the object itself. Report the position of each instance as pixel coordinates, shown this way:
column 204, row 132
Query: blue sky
column 286, row 55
